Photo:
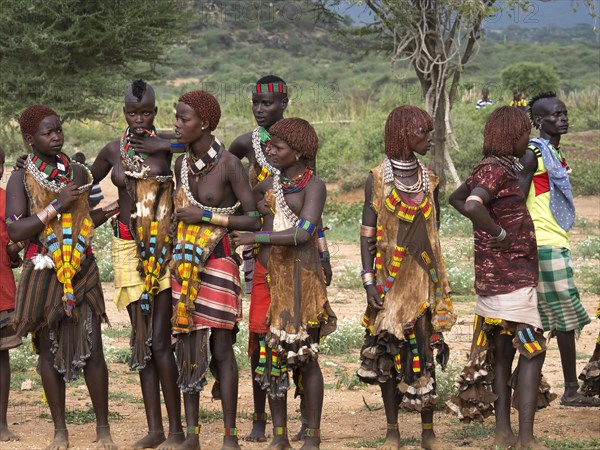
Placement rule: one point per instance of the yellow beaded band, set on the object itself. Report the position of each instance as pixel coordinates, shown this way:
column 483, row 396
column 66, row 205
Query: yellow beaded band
column 194, row 430
column 427, row 426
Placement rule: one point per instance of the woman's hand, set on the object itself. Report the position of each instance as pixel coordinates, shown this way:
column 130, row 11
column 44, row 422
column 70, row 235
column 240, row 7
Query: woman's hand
column 189, row 214
column 327, row 272
column 147, row 144
column 20, row 164
column 242, row 238
column 373, row 298
column 68, row 195
column 498, row 245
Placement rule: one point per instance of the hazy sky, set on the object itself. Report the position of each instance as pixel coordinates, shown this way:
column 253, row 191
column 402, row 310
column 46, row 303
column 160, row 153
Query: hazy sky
column 540, row 14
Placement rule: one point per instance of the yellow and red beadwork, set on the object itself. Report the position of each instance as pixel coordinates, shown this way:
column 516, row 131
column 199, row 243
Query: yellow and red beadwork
column 67, row 255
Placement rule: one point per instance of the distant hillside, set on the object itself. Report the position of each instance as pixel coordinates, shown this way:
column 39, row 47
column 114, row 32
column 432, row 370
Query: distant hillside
column 232, row 43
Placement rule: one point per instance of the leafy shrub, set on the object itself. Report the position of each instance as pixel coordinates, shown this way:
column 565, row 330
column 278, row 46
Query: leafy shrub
column 589, row 248
column 348, row 336
column 102, row 244
column 348, row 278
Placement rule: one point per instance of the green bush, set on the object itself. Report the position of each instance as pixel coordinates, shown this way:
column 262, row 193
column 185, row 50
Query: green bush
column 102, row 244
column 343, row 219
column 530, row 78
column 348, row 336
column 589, row 248
column 349, row 278
column 444, row 383
column 240, row 348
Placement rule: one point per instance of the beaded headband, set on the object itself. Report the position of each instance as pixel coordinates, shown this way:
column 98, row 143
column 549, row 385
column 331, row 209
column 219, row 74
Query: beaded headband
column 277, row 88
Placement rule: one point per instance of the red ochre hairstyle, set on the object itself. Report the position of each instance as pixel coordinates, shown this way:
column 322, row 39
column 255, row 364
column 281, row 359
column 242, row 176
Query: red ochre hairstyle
column 205, row 106
column 30, row 119
column 401, row 123
column 298, row 134
column 503, row 129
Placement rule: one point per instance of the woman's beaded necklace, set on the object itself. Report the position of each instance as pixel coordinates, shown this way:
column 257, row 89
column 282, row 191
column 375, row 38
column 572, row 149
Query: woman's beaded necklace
column 185, row 182
column 407, row 209
column 279, row 191
column 53, row 178
column 260, row 137
column 200, row 166
column 296, row 184
column 134, row 162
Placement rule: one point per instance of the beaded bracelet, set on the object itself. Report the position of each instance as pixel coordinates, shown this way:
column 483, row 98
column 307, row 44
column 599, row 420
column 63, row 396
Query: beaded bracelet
column 220, row 220
column 177, row 147
column 12, row 219
column 56, row 206
column 322, row 244
column 253, row 214
column 207, row 216
column 306, row 226
column 262, row 237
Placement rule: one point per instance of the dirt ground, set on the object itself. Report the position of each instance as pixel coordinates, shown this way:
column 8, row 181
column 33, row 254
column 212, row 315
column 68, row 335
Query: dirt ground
column 351, row 418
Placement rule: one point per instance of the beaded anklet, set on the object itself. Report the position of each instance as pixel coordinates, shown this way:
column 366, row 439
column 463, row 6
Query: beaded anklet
column 230, row 431
column 427, row 426
column 312, row 432
column 392, row 426
column 194, row 430
column 279, row 431
column 259, row 417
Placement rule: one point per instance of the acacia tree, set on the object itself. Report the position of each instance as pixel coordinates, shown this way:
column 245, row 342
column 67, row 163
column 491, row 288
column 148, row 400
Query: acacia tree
column 437, row 38
column 75, row 55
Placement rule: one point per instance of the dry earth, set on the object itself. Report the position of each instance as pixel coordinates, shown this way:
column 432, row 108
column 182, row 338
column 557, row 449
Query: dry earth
column 347, row 421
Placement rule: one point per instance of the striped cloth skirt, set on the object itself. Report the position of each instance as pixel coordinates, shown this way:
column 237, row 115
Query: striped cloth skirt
column 219, row 300
column 39, row 309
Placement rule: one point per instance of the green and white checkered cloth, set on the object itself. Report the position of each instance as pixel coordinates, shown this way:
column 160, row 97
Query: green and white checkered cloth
column 558, row 298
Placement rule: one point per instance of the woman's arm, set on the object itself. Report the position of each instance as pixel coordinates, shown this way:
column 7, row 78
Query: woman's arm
column 530, row 165
column 315, row 194
column 103, row 163
column 22, row 226
column 368, row 230
column 240, row 185
column 472, row 205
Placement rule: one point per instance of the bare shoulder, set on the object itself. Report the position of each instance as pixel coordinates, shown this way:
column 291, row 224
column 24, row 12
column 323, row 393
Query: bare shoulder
column 529, row 160
column 231, row 162
column 317, row 186
column 17, row 179
column 110, row 151
column 178, row 162
column 241, row 145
